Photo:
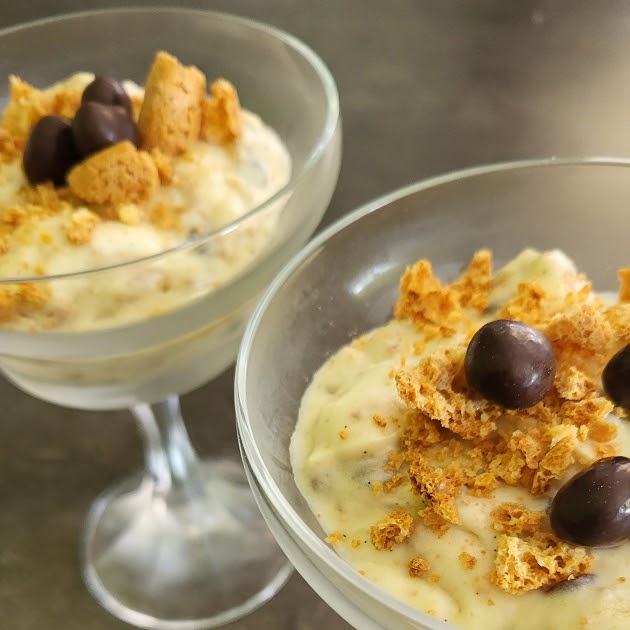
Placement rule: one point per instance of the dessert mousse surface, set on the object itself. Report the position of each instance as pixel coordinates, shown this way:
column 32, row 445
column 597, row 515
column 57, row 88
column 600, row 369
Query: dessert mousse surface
column 96, row 172
column 472, row 456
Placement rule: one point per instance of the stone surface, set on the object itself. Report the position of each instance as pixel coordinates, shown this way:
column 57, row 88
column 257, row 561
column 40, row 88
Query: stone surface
column 425, row 87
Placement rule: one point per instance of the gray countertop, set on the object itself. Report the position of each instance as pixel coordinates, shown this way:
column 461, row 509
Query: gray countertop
column 426, row 86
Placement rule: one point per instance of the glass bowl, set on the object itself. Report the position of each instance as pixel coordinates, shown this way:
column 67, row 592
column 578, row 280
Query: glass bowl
column 345, row 282
column 181, row 545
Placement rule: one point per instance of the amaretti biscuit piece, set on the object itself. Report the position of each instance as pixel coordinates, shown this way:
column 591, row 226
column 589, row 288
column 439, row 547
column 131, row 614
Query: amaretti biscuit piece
column 174, row 97
column 115, row 175
column 221, row 119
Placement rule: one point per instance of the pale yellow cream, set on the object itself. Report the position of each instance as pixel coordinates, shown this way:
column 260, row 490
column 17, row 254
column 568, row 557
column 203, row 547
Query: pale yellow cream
column 338, row 453
column 213, row 185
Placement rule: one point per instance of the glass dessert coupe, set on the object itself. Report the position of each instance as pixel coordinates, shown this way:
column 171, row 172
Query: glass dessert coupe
column 345, row 282
column 181, row 545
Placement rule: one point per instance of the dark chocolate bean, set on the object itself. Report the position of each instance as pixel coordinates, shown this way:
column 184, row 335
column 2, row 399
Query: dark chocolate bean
column 97, row 126
column 107, row 91
column 510, row 363
column 593, row 508
column 571, row 585
column 616, row 378
column 50, row 151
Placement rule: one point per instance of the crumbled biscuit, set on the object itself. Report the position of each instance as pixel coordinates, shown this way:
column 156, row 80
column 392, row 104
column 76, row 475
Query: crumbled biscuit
column 557, row 459
column 115, row 175
column 423, row 299
column 472, row 288
column 221, row 118
column 356, row 543
column 392, row 530
column 482, row 485
column 82, row 224
column 438, row 486
column 537, row 562
column 429, row 388
column 435, row 578
column 515, row 519
column 26, row 106
column 334, row 538
column 624, row 284
column 417, row 566
column 529, row 305
column 602, row 431
column 170, row 116
column 343, row 434
column 10, row 148
column 379, row 421
column 129, row 214
column 468, row 560
column 21, row 298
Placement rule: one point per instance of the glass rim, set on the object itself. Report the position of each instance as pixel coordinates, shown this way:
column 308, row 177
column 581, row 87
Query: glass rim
column 297, row 45
column 272, row 493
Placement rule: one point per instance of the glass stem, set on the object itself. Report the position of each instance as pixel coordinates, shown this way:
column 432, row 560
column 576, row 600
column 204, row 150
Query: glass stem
column 169, row 456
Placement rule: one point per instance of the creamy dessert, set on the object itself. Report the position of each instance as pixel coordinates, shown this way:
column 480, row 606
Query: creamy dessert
column 472, row 456
column 95, row 173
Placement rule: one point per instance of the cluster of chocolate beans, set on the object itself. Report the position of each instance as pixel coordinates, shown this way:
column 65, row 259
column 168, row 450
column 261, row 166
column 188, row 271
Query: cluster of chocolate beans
column 56, row 143
column 514, row 365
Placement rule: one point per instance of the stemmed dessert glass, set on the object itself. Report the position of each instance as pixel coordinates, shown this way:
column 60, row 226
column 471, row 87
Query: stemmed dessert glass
column 345, row 282
column 181, row 545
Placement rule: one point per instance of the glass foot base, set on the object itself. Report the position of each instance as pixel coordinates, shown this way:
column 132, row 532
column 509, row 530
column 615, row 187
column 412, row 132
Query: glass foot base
column 182, row 558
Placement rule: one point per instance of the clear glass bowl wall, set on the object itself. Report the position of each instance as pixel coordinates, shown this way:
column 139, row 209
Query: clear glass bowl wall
column 175, row 352
column 345, row 282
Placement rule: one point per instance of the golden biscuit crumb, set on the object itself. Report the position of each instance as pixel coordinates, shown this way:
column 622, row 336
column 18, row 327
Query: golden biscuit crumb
column 468, row 561
column 624, row 284
column 129, row 214
column 82, row 224
column 417, row 566
column 170, row 115
column 343, row 434
column 602, row 431
column 221, row 118
column 165, row 216
column 10, row 149
column 379, row 421
column 435, row 578
column 362, row 572
column 334, row 538
column 621, row 579
column 439, row 487
column 395, row 528
column 514, row 519
column 490, row 602
column 21, row 298
column 529, row 305
column 482, row 485
column 429, row 387
column 538, row 562
column 356, row 543
column 115, row 175
column 26, row 106
column 473, row 286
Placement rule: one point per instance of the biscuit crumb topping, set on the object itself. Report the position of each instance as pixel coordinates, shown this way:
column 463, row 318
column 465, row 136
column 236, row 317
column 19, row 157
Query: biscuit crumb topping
column 392, row 530
column 171, row 112
column 118, row 174
column 540, row 561
column 221, row 115
column 417, row 566
column 468, row 560
column 452, row 439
